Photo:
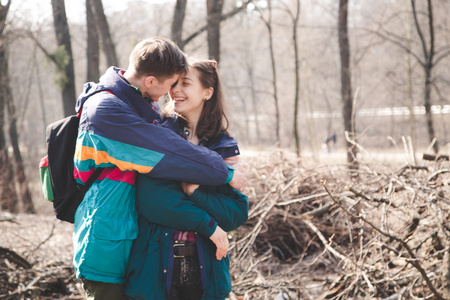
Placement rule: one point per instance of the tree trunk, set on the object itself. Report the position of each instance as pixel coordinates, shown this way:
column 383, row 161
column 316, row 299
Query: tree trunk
column 295, row 20
column 427, row 64
column 65, row 63
column 222, row 18
column 8, row 195
column 24, row 191
column 255, row 103
column 102, row 23
column 214, row 13
column 177, row 23
column 346, row 87
column 93, row 58
column 268, row 24
column 412, row 117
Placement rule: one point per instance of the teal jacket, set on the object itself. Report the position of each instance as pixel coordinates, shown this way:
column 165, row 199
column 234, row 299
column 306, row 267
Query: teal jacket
column 163, row 207
column 116, row 133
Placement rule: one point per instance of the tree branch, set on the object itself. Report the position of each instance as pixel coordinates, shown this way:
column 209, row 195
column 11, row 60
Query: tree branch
column 413, row 261
column 222, row 18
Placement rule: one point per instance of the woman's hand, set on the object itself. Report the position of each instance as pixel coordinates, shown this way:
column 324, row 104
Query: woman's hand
column 239, row 176
column 189, row 188
column 220, row 239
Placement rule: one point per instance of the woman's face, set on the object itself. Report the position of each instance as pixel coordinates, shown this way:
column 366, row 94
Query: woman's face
column 188, row 95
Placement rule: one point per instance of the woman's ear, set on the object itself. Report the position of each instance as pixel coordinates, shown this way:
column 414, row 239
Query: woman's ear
column 209, row 93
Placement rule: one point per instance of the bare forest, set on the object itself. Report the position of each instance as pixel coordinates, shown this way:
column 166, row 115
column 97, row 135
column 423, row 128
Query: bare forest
column 341, row 108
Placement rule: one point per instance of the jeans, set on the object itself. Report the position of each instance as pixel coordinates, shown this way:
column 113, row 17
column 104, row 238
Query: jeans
column 186, row 279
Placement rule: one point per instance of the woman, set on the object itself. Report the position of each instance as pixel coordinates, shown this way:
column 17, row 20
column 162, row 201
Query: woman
column 181, row 250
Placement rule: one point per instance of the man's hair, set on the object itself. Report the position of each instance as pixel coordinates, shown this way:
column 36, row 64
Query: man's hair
column 159, row 57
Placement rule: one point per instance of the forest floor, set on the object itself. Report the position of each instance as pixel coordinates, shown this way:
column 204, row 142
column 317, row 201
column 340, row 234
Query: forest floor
column 315, row 231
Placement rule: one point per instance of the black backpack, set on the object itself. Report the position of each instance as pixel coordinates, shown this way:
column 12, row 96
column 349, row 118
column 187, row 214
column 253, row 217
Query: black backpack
column 56, row 169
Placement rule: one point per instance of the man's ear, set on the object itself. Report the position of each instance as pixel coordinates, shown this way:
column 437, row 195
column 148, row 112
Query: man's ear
column 149, row 81
column 209, row 93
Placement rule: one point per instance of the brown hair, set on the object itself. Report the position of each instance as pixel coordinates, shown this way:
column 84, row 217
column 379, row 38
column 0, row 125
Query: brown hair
column 159, row 57
column 213, row 118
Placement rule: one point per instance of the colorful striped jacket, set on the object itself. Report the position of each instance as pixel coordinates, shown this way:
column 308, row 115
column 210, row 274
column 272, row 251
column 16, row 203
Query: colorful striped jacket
column 116, row 132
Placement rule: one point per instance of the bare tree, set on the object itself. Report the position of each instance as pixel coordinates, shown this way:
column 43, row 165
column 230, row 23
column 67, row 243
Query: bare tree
column 222, row 17
column 93, row 55
column 24, row 191
column 8, row 195
column 214, row 12
column 268, row 24
column 428, row 62
column 102, row 23
column 430, row 57
column 295, row 17
column 346, row 84
column 177, row 23
column 64, row 57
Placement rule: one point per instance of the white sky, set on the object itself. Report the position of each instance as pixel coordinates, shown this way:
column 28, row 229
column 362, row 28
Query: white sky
column 39, row 10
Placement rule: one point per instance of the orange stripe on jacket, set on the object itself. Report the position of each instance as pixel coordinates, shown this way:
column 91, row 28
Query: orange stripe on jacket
column 85, row 153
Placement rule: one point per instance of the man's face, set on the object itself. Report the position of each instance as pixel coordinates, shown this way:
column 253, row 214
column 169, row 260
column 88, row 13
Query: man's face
column 157, row 88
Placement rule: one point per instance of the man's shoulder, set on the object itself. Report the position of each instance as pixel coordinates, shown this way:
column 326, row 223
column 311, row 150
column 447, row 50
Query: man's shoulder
column 106, row 100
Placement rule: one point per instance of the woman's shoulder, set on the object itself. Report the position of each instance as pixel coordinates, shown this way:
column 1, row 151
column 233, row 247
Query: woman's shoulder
column 225, row 145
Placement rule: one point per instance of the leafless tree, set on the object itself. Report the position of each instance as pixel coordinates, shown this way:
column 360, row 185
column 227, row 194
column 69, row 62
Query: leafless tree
column 8, row 200
column 214, row 12
column 103, row 27
column 268, row 24
column 9, row 197
column 92, row 51
column 222, row 17
column 295, row 17
column 64, row 57
column 431, row 56
column 346, row 84
column 177, row 23
column 428, row 62
column 20, row 175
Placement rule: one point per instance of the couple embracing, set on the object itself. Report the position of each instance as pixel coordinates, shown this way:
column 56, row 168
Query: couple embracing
column 154, row 225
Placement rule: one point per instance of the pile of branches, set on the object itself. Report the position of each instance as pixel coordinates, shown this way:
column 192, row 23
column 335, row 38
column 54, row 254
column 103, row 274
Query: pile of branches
column 328, row 232
column 314, row 232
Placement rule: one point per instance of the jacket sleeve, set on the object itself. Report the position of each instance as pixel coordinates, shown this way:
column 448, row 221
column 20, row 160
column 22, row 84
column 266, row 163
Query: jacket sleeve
column 163, row 202
column 225, row 204
column 113, row 134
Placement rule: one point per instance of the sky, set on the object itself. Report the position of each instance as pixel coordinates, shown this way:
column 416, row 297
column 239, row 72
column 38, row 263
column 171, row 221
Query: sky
column 40, row 10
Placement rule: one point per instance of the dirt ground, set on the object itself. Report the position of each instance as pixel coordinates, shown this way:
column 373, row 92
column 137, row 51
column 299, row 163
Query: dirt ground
column 46, row 244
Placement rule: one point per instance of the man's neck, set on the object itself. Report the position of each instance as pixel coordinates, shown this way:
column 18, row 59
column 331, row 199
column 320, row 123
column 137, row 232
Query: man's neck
column 132, row 79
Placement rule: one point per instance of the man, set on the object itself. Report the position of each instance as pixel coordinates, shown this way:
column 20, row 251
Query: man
column 116, row 132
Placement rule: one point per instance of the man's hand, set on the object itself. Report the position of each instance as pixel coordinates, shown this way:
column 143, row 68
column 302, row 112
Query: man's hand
column 239, row 176
column 220, row 239
column 189, row 188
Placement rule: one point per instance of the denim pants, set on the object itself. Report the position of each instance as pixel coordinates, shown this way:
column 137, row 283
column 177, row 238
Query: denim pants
column 186, row 279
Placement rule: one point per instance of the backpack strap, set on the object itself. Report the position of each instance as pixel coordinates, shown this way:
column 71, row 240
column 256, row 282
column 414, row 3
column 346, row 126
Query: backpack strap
column 91, row 179
column 97, row 171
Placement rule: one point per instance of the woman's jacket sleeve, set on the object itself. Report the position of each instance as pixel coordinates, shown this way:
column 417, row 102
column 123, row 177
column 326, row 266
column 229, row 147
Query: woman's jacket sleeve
column 225, row 204
column 163, row 202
